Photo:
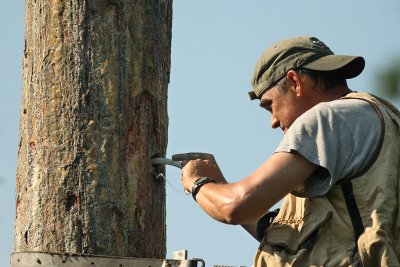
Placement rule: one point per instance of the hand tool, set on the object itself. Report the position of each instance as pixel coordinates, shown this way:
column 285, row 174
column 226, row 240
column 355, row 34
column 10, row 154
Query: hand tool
column 165, row 161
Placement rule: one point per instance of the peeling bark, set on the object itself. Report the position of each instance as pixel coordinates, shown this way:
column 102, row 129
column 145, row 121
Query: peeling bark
column 93, row 113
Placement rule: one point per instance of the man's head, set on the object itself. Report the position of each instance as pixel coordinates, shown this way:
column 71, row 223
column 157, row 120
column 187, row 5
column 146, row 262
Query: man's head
column 307, row 53
column 296, row 74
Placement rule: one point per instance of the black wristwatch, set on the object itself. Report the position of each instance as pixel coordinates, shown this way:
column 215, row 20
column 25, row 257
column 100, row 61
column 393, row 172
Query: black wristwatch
column 199, row 183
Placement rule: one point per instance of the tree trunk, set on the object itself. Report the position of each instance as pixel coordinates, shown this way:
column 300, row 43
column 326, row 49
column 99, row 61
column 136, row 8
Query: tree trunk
column 93, row 113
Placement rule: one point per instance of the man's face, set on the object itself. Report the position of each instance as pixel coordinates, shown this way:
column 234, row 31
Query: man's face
column 285, row 106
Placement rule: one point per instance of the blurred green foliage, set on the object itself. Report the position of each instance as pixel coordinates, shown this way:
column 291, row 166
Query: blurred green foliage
column 389, row 79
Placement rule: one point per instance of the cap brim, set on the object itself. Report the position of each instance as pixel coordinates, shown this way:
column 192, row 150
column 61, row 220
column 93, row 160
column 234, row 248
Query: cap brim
column 252, row 95
column 346, row 67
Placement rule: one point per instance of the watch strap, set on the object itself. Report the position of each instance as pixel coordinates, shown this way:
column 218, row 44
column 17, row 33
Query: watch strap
column 199, row 183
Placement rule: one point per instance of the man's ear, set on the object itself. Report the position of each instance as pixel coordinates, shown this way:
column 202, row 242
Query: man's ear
column 295, row 82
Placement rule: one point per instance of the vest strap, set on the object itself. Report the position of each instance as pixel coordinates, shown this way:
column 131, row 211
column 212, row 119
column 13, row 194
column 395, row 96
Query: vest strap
column 356, row 221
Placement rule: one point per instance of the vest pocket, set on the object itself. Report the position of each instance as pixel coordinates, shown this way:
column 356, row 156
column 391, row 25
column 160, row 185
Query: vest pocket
column 292, row 235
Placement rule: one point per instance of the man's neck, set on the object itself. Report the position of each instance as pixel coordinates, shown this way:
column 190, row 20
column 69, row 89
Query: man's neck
column 336, row 92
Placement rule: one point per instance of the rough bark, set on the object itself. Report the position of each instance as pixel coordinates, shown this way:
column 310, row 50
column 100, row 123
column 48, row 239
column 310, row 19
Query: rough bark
column 93, row 113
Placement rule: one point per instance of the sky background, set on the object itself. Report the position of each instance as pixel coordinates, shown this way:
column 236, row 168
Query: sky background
column 215, row 45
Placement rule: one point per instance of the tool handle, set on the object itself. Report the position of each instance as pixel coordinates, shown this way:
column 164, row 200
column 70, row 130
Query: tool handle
column 165, row 161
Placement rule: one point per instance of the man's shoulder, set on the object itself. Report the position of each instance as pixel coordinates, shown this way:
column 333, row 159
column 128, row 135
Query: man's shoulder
column 348, row 102
column 352, row 114
column 345, row 107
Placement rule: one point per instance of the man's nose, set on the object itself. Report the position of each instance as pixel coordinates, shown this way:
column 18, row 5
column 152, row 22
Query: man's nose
column 275, row 123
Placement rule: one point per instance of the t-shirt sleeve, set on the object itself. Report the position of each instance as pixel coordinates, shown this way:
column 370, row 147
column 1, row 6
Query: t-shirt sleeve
column 339, row 136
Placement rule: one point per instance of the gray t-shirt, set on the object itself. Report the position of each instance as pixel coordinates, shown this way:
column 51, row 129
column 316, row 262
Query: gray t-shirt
column 341, row 136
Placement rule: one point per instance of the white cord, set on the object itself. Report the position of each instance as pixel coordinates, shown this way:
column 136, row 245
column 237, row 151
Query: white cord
column 173, row 187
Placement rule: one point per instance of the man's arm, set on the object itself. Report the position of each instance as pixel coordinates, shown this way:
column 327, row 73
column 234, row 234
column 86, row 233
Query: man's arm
column 247, row 200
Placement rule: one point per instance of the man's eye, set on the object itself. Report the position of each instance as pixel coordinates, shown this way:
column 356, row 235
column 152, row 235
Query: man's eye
column 267, row 106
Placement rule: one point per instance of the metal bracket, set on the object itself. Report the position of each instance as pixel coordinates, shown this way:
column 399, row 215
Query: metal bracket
column 180, row 254
column 32, row 259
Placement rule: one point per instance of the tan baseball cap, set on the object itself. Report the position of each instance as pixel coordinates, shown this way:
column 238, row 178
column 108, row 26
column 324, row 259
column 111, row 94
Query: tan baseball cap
column 305, row 51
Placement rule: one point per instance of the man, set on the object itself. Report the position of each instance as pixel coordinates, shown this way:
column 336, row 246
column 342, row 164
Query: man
column 337, row 166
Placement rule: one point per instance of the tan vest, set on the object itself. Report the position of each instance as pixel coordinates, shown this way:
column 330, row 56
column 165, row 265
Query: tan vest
column 320, row 232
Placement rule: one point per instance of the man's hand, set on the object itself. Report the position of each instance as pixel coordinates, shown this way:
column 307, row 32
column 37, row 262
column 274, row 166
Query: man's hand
column 245, row 201
column 196, row 165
